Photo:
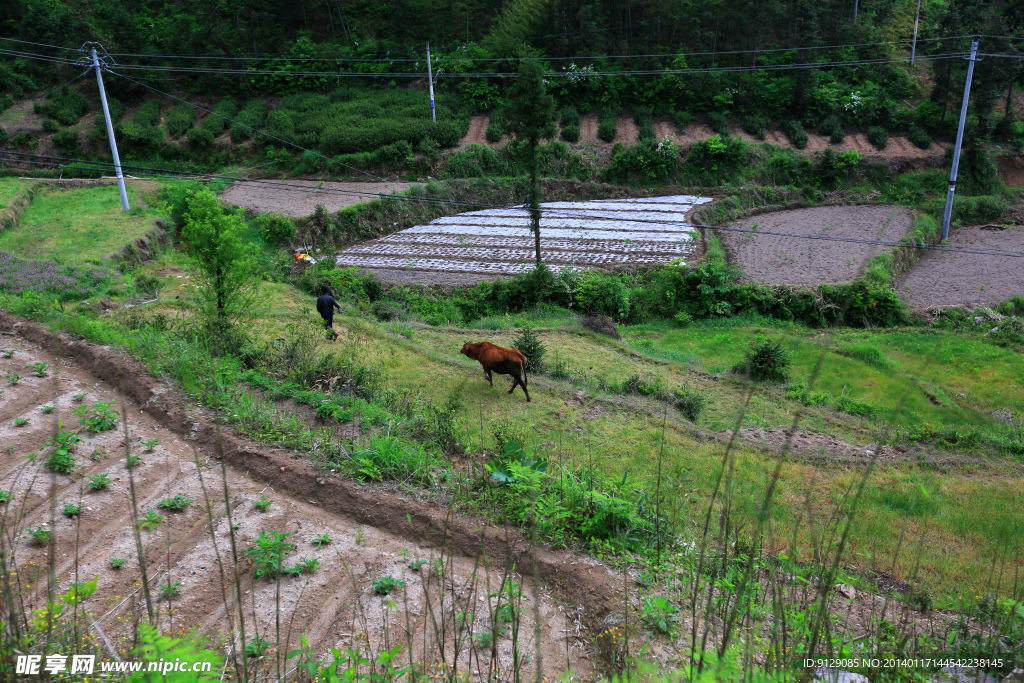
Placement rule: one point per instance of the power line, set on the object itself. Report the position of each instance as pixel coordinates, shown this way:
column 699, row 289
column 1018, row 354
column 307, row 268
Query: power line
column 580, row 212
column 28, row 42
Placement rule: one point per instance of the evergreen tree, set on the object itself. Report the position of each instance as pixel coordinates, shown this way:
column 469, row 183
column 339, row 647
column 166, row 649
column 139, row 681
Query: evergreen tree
column 529, row 118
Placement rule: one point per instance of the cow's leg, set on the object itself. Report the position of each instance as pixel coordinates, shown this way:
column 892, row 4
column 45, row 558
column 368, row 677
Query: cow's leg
column 515, row 382
column 487, row 376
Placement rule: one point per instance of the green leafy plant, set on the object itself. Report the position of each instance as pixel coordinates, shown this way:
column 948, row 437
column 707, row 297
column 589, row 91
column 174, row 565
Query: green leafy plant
column 175, row 504
column 14, row 379
column 73, row 509
column 6, row 496
column 117, row 562
column 131, row 461
column 416, row 564
column 608, row 128
column 689, row 402
column 99, row 417
column 256, row 647
column 920, row 138
column 719, row 123
column 150, row 444
column 79, row 397
column 756, row 126
column 40, row 535
column 98, row 482
column 307, row 565
column 151, row 520
column 39, row 368
column 386, row 584
column 530, row 345
column 60, row 460
column 660, row 614
column 268, row 553
column 322, row 540
column 794, row 130
column 46, row 409
column 263, row 504
column 878, row 136
column 7, row 353
column 21, row 421
column 171, row 590
column 766, row 361
column 360, row 537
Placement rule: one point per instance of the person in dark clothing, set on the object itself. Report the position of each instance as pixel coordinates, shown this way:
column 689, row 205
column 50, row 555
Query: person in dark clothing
column 325, row 305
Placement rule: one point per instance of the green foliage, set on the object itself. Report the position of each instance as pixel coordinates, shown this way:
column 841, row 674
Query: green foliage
column 608, row 126
column 40, row 536
column 39, row 368
column 919, row 137
column 571, row 133
column 660, row 614
column 99, row 417
column 175, row 504
column 6, row 497
column 603, row 293
column 180, row 120
column 796, row 133
column 530, row 345
column 73, row 509
column 195, row 663
column 719, row 123
column 682, row 120
column 66, row 106
column 62, row 443
column 766, row 361
column 151, row 520
column 756, row 126
column 117, row 562
column 390, row 458
column 495, row 126
column 170, row 590
column 569, row 116
column 228, row 279
column 268, row 553
column 251, row 118
column 67, row 141
column 645, row 162
column 833, row 128
column 275, row 229
column 257, row 647
column 717, row 159
column 99, row 482
column 322, row 540
column 530, row 114
column 878, row 136
column 386, row 584
column 263, row 504
column 689, row 402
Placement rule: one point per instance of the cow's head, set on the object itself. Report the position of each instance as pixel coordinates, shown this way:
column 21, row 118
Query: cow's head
column 468, row 350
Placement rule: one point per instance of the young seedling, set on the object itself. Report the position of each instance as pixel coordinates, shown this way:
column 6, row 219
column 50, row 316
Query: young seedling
column 171, row 590
column 416, row 564
column 14, row 379
column 6, row 496
column 8, row 353
column 131, row 461
column 61, row 461
column 322, row 540
column 79, row 397
column 20, row 421
column 175, row 504
column 117, row 562
column 39, row 368
column 387, row 584
column 151, row 520
column 150, row 444
column 263, row 504
column 307, row 565
column 98, row 418
column 360, row 537
column 46, row 409
column 40, row 535
column 256, row 647
column 73, row 509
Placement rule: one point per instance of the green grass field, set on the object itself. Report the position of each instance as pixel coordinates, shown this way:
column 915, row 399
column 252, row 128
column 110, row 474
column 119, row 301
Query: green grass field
column 78, row 225
column 8, row 188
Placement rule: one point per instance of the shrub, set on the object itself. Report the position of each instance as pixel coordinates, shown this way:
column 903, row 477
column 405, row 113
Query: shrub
column 67, row 106
column 496, row 126
column 833, row 128
column 180, row 120
column 429, row 148
column 396, row 154
column 571, row 133
column 878, row 136
column 252, row 116
column 646, row 132
column 67, row 141
column 570, row 116
column 386, row 584
column 24, row 140
column 717, row 159
column 719, row 123
column 200, row 137
column 690, row 403
column 643, row 162
column 920, row 138
column 756, row 126
column 603, row 293
column 608, row 128
column 275, row 229
column 148, row 114
column 682, row 120
column 50, row 126
column 527, row 342
column 215, row 122
column 796, row 133
column 766, row 361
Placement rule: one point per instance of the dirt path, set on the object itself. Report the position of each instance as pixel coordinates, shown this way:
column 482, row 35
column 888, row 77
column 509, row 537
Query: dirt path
column 791, row 260
column 293, row 197
column 372, row 534
column 476, row 133
column 944, row 278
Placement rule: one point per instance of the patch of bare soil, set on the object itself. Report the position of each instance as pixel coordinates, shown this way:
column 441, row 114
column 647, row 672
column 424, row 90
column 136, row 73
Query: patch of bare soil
column 298, row 198
column 948, row 278
column 373, row 534
column 815, row 444
column 427, row 278
column 476, row 133
column 628, row 131
column 1011, row 170
column 794, row 259
column 588, row 129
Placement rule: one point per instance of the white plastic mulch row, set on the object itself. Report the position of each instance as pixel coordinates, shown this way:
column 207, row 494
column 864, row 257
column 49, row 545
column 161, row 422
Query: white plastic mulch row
column 606, row 233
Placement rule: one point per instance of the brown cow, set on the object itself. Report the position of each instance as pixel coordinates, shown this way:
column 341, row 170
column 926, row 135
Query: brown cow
column 500, row 360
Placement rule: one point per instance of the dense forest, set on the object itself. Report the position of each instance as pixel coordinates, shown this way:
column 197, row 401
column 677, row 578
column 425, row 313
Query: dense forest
column 735, row 56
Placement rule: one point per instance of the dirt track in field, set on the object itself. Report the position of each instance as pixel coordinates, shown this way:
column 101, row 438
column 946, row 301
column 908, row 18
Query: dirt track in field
column 798, row 260
column 945, row 278
column 295, row 199
column 373, row 534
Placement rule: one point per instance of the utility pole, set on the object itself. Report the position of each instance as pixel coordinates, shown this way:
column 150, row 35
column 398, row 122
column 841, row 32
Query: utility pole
column 430, row 79
column 959, row 140
column 855, row 3
column 110, row 129
column 913, row 48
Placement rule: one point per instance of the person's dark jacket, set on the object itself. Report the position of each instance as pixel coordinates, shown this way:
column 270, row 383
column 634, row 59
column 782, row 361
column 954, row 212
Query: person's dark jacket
column 325, row 305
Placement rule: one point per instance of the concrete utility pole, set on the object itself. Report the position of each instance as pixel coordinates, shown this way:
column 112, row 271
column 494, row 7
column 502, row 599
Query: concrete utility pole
column 110, row 130
column 430, row 79
column 913, row 48
column 959, row 140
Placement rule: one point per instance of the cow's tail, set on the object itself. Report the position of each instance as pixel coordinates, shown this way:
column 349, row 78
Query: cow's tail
column 523, row 362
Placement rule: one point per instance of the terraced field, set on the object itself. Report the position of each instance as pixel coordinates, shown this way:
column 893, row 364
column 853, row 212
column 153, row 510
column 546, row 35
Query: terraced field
column 607, row 234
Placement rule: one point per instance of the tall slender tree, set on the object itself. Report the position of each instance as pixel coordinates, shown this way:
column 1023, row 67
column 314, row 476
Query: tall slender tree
column 530, row 118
